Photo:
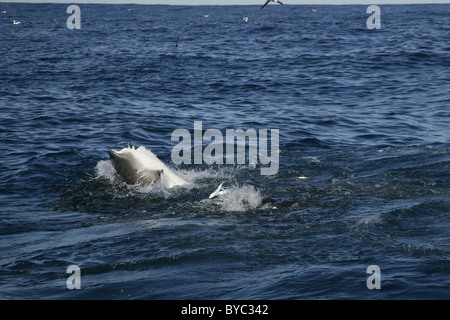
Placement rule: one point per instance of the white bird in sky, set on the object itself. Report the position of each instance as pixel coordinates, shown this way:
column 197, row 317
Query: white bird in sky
column 267, row 2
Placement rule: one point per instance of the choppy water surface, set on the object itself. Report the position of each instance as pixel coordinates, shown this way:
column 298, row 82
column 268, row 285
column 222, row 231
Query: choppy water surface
column 364, row 152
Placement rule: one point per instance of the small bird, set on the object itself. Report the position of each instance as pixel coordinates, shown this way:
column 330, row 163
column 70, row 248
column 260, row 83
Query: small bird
column 267, row 2
column 16, row 22
column 219, row 191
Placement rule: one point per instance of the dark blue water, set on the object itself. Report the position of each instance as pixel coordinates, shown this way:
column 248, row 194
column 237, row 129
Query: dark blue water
column 364, row 152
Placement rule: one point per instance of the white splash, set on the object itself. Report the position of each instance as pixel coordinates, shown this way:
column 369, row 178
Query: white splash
column 239, row 198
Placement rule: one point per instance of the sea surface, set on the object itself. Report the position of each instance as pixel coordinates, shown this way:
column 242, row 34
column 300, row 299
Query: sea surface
column 364, row 152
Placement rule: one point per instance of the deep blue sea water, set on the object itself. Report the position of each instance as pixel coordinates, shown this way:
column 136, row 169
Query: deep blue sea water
column 364, row 152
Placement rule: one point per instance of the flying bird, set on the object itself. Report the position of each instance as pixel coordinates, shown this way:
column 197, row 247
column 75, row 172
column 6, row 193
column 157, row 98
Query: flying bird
column 267, row 2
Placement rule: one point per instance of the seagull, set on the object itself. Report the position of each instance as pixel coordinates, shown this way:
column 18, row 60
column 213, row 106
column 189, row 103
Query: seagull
column 219, row 191
column 267, row 2
column 16, row 22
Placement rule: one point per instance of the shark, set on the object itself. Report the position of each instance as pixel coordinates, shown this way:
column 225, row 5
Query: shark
column 141, row 166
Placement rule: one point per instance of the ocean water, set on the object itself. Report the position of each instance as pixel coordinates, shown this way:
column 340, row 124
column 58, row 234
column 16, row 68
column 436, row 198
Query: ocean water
column 363, row 118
